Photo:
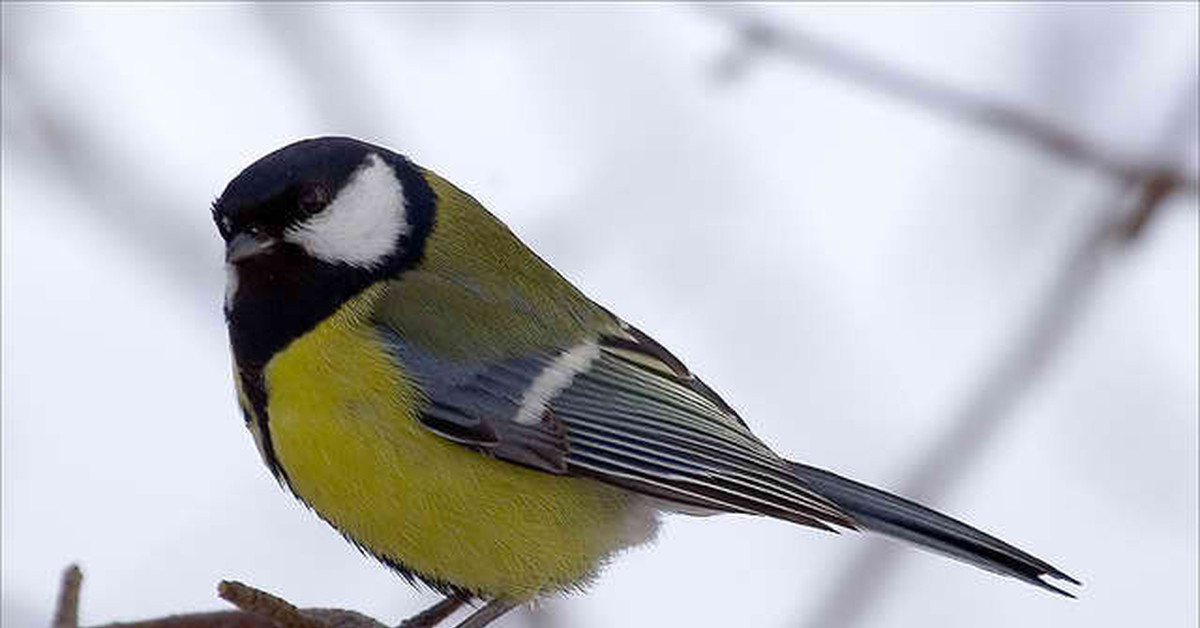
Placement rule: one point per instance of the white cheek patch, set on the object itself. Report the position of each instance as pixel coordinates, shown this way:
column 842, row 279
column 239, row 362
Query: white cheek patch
column 361, row 224
column 554, row 379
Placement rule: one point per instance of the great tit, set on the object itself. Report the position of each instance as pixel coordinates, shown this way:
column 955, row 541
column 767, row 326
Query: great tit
column 453, row 406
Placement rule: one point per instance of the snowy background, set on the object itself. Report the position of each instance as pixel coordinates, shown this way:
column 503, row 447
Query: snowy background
column 846, row 268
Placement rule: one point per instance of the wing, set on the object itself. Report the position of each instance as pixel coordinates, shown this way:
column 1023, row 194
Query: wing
column 616, row 407
column 533, row 372
column 638, row 418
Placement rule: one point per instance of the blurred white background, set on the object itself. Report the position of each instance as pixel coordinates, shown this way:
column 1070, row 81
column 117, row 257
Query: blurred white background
column 843, row 266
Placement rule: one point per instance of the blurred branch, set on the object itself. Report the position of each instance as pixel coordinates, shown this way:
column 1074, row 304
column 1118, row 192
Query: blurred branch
column 1143, row 189
column 757, row 36
column 137, row 210
column 344, row 100
column 124, row 203
column 979, row 419
column 1025, row 356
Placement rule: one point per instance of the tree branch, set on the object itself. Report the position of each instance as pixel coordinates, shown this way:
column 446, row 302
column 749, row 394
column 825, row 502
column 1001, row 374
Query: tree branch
column 263, row 604
column 258, row 609
column 757, row 36
column 66, row 613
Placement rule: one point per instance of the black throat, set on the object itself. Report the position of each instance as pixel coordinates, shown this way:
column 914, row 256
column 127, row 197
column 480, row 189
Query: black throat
column 280, row 298
column 284, row 293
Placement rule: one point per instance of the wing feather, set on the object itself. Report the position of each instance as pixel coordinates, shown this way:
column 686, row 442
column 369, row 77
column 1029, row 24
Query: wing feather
column 649, row 422
column 636, row 420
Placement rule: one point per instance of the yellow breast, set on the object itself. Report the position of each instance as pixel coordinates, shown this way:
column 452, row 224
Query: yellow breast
column 343, row 422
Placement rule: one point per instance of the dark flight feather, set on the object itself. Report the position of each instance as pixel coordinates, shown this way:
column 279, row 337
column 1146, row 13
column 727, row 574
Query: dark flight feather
column 899, row 518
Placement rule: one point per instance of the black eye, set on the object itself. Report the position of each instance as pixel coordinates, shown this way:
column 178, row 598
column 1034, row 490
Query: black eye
column 312, row 199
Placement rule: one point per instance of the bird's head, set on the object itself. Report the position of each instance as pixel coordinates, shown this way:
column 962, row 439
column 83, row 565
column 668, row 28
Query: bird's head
column 312, row 224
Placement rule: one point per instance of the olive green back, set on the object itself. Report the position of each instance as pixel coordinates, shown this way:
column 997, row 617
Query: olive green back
column 480, row 293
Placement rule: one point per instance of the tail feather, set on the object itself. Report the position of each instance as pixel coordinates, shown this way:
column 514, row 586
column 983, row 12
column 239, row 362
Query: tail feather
column 908, row 521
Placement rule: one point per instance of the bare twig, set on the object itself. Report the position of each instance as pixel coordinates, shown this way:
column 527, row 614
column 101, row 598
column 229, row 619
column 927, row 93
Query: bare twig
column 435, row 614
column 66, row 613
column 757, row 36
column 253, row 600
column 259, row 609
column 220, row 619
column 282, row 614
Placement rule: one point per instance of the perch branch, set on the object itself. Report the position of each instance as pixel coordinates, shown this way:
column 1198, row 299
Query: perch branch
column 258, row 609
column 252, row 600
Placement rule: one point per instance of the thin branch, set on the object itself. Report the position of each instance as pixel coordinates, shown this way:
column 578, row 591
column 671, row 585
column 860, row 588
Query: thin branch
column 259, row 609
column 757, row 36
column 276, row 609
column 283, row 614
column 66, row 613
column 219, row 619
column 435, row 614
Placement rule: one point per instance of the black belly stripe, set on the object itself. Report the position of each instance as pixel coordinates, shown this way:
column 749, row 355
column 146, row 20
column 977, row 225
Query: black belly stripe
column 254, row 385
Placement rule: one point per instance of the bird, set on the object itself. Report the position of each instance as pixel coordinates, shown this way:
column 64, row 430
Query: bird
column 457, row 409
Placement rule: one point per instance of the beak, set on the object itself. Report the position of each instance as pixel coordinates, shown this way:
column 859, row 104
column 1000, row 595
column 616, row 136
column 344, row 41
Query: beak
column 244, row 246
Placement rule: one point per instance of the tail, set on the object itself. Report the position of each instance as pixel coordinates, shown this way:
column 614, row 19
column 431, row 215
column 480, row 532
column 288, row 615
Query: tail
column 908, row 521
